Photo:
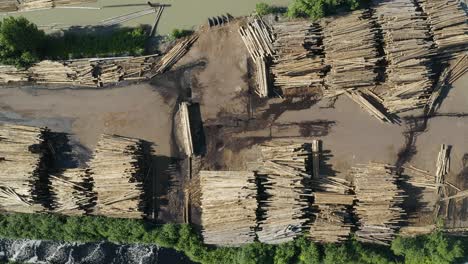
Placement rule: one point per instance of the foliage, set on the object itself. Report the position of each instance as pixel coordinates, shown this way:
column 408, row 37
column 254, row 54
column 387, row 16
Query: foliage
column 263, row 9
column 74, row 44
column 316, row 9
column 180, row 33
column 22, row 43
column 433, row 248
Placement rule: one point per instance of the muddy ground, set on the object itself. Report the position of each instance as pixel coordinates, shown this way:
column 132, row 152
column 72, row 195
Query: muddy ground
column 216, row 77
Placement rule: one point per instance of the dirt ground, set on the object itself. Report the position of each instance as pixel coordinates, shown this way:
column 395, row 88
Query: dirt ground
column 134, row 111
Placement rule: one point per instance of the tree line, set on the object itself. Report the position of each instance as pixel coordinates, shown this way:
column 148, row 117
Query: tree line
column 313, row 9
column 22, row 43
column 432, row 248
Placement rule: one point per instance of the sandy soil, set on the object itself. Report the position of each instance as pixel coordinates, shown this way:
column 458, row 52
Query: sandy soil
column 221, row 86
column 134, row 111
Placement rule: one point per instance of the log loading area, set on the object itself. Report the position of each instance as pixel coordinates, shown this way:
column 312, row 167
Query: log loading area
column 258, row 129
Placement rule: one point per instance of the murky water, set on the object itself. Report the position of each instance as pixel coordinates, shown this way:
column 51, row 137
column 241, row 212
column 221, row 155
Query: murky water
column 184, row 14
column 37, row 251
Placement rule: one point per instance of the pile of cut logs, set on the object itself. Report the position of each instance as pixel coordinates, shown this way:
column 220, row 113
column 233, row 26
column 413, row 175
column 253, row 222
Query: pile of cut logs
column 28, row 5
column 182, row 131
column 175, row 54
column 20, row 159
column 258, row 41
column 408, row 50
column 70, row 192
column 282, row 170
column 298, row 64
column 448, row 22
column 229, row 204
column 378, row 202
column 454, row 70
column 351, row 51
column 117, row 177
column 83, row 72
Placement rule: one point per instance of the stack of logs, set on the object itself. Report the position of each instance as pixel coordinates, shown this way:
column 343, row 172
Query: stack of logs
column 83, row 72
column 408, row 49
column 454, row 70
column 332, row 218
column 118, row 177
column 71, row 192
column 21, row 154
column 351, row 51
column 282, row 170
column 298, row 65
column 28, row 5
column 378, row 202
column 448, row 22
column 175, row 54
column 229, row 204
column 258, row 41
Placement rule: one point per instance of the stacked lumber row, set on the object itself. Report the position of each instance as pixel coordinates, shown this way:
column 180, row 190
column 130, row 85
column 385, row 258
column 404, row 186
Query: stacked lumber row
column 420, row 178
column 331, row 208
column 20, row 160
column 451, row 73
column 282, row 169
column 442, row 165
column 369, row 102
column 70, row 193
column 229, row 204
column 408, row 49
column 84, row 72
column 175, row 54
column 8, row 6
column 331, row 224
column 298, row 64
column 28, row 5
column 378, row 202
column 258, row 41
column 12, row 74
column 351, row 50
column 183, row 132
column 117, row 177
column 448, row 22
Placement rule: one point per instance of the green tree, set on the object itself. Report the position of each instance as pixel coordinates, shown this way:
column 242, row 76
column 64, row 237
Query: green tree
column 309, row 252
column 263, row 8
column 433, row 248
column 315, row 9
column 21, row 42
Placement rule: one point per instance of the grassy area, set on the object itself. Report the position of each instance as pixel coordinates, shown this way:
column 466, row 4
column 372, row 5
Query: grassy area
column 22, row 43
column 433, row 248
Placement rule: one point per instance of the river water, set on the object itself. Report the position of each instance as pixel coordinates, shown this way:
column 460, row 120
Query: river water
column 185, row 14
column 35, row 251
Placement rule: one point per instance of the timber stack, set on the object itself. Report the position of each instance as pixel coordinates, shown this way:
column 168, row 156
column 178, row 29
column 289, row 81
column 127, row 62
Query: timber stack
column 282, row 173
column 71, row 192
column 8, row 5
column 258, row 40
column 378, row 202
column 453, row 71
column 370, row 102
column 21, row 158
column 11, row 74
column 175, row 54
column 118, row 176
column 408, row 50
column 83, row 72
column 442, row 166
column 183, row 132
column 229, row 205
column 350, row 45
column 331, row 208
column 449, row 25
column 425, row 182
column 298, row 65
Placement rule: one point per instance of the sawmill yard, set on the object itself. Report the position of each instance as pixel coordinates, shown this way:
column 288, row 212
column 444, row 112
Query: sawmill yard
column 259, row 129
